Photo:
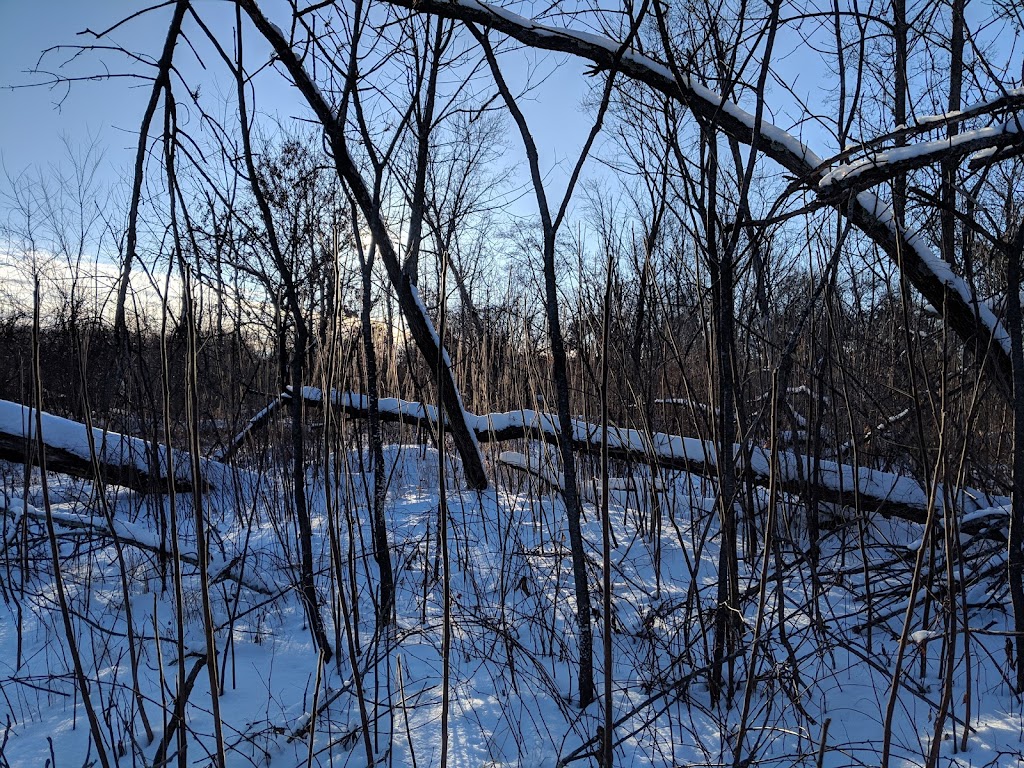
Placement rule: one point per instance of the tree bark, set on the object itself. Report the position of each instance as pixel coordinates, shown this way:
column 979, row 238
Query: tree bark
column 1015, row 554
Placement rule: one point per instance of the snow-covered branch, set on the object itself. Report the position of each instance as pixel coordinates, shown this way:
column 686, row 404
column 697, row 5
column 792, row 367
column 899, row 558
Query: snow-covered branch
column 1005, row 103
column 948, row 293
column 884, row 165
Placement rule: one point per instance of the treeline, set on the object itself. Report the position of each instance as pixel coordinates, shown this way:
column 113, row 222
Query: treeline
column 856, row 360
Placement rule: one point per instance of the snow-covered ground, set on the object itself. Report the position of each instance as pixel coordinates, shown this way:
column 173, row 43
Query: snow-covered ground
column 816, row 691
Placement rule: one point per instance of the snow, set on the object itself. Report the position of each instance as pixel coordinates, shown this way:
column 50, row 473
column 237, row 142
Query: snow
column 513, row 658
column 998, row 512
column 687, row 403
column 888, row 422
column 848, row 172
column 980, row 106
column 983, row 154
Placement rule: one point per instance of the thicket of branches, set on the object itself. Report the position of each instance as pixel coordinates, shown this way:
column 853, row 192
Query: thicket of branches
column 694, row 270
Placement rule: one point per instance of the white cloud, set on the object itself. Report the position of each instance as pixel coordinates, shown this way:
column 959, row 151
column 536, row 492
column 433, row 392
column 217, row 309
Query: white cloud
column 90, row 284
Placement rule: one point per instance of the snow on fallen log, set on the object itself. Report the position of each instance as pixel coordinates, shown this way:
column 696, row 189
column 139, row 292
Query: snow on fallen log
column 122, row 460
column 876, row 491
column 666, row 450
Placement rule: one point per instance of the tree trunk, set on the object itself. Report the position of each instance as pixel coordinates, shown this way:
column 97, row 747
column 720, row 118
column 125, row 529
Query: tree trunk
column 307, row 585
column 1015, row 554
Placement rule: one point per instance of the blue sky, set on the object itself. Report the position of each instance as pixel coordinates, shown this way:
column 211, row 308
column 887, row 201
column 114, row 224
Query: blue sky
column 35, row 120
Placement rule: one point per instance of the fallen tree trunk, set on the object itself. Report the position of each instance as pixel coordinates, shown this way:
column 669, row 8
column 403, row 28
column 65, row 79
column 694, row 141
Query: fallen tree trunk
column 879, row 492
column 128, row 461
column 122, row 460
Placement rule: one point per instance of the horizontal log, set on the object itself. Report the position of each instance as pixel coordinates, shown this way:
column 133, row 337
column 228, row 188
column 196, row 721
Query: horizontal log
column 875, row 491
column 122, row 460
